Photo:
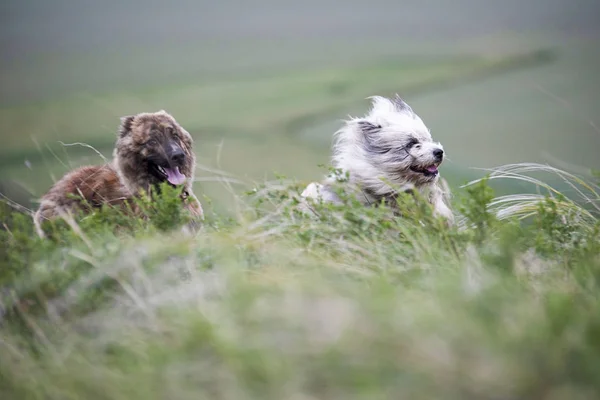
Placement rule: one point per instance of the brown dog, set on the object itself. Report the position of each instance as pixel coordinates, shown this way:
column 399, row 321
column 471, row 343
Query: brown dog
column 151, row 148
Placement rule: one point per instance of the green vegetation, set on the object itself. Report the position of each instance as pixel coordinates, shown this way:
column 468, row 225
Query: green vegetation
column 267, row 303
column 276, row 304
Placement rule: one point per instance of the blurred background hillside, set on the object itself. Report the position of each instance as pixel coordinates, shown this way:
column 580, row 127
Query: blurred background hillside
column 262, row 85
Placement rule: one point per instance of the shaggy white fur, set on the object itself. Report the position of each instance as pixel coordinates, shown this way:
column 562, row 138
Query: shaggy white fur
column 389, row 150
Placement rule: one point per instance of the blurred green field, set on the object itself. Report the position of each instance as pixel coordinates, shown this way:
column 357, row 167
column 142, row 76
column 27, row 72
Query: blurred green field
column 251, row 120
column 250, row 127
column 260, row 103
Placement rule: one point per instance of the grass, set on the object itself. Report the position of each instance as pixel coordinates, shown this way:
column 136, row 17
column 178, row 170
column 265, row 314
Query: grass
column 265, row 303
column 275, row 304
column 583, row 200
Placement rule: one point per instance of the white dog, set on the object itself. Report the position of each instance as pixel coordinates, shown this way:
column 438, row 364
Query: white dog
column 387, row 151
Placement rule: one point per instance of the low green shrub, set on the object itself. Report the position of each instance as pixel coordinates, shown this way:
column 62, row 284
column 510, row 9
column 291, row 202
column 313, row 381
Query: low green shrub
column 345, row 302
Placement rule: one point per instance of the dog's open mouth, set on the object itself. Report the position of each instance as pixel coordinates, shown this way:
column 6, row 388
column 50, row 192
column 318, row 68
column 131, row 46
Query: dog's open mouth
column 431, row 170
column 171, row 175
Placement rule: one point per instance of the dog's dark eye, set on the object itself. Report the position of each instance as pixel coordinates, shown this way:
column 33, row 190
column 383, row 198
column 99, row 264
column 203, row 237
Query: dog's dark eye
column 151, row 142
column 411, row 143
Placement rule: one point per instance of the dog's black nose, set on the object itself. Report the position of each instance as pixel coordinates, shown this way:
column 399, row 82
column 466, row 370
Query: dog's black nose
column 177, row 155
column 438, row 154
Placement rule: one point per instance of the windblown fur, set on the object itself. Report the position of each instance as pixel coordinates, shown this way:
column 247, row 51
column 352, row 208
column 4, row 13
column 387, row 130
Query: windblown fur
column 151, row 148
column 385, row 152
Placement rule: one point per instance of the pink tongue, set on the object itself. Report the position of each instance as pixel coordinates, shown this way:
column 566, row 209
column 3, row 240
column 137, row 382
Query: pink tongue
column 174, row 176
column 433, row 169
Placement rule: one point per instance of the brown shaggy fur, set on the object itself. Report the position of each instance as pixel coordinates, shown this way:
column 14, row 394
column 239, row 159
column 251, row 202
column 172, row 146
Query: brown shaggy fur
column 148, row 144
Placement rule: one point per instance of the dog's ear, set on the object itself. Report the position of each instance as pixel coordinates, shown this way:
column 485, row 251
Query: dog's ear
column 401, row 105
column 368, row 129
column 371, row 138
column 125, row 127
